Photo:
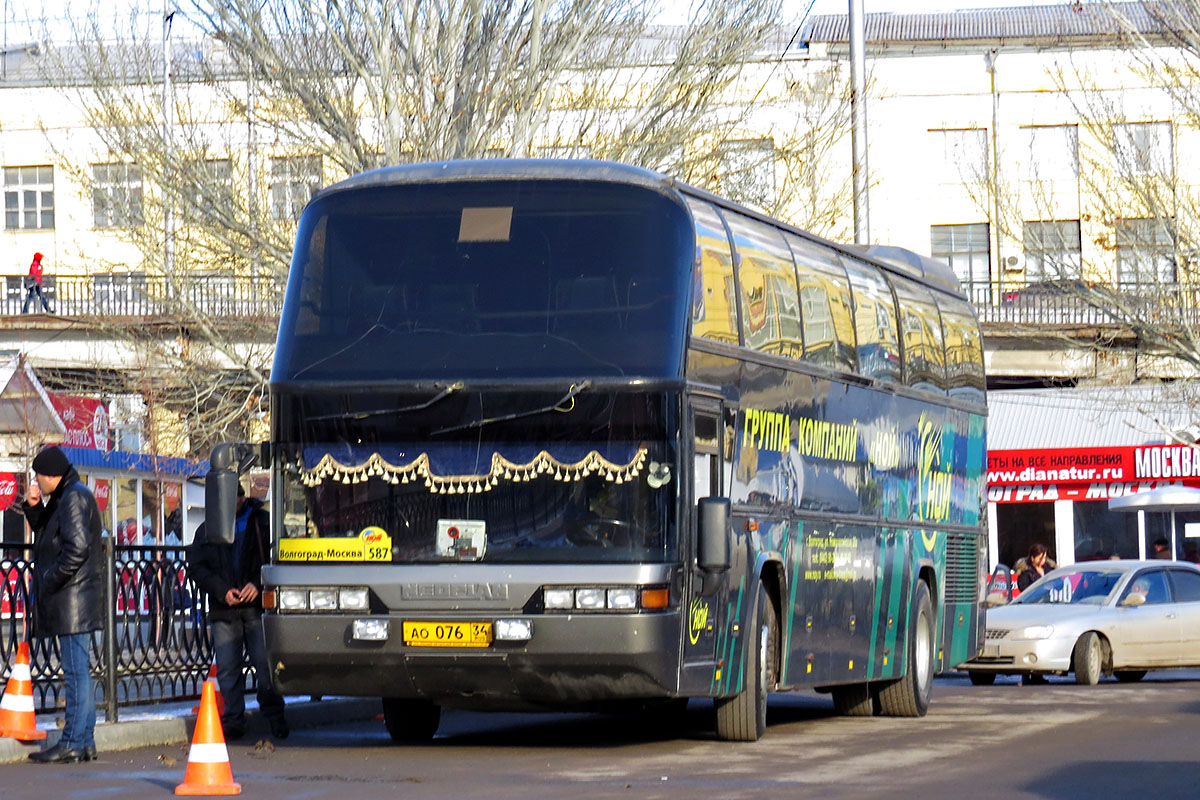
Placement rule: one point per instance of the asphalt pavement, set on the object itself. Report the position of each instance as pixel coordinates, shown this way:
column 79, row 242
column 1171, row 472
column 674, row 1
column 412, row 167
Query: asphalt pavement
column 172, row 723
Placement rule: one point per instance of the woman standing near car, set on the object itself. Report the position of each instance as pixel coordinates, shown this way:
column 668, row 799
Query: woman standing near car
column 1035, row 566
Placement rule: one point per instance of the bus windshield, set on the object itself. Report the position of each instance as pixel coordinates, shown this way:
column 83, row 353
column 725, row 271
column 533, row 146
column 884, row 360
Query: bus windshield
column 590, row 480
column 483, row 279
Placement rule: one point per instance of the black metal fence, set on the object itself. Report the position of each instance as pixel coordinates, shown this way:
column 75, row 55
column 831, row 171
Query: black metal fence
column 155, row 644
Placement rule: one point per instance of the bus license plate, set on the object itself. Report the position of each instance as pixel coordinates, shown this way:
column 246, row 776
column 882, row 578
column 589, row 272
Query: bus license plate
column 447, row 634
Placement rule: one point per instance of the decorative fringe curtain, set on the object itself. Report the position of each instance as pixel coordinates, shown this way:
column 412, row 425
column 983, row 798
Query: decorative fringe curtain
column 502, row 469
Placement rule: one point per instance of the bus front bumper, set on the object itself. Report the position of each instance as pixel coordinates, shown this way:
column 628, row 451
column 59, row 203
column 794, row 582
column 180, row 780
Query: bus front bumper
column 571, row 660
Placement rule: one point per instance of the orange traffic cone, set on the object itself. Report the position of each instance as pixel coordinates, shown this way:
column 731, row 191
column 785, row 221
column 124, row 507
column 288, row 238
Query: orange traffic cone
column 212, row 678
column 208, row 771
column 16, row 707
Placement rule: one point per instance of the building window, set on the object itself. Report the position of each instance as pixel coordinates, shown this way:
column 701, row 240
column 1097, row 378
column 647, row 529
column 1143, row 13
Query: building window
column 1053, row 153
column 294, row 180
column 1144, row 148
column 747, row 170
column 117, row 195
column 965, row 249
column 212, row 188
column 1052, row 250
column 961, row 156
column 1145, row 253
column 29, row 198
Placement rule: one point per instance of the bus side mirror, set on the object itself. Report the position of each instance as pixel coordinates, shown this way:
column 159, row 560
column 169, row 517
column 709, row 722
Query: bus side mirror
column 712, row 540
column 220, row 504
column 221, row 486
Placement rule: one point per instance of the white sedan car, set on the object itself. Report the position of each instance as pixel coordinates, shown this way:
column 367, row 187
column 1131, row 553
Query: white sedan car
column 1096, row 618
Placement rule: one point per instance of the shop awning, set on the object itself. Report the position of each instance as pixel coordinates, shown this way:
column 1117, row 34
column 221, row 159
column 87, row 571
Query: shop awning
column 25, row 408
column 1164, row 498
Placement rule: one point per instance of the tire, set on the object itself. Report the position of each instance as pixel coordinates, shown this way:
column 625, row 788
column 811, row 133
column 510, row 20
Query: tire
column 411, row 720
column 1089, row 659
column 1130, row 675
column 982, row 678
column 743, row 717
column 909, row 696
column 854, row 700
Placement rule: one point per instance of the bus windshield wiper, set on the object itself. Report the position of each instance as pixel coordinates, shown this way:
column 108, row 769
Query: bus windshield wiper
column 444, row 393
column 575, row 389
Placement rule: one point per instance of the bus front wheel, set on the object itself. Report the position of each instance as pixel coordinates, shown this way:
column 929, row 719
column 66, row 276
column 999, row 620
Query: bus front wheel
column 909, row 696
column 411, row 720
column 743, row 717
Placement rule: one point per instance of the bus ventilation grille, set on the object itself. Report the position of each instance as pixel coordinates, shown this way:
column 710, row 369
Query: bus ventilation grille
column 962, row 567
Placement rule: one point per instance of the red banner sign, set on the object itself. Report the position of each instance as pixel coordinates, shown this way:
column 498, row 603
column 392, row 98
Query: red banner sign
column 103, row 488
column 1088, row 473
column 8, row 489
column 85, row 419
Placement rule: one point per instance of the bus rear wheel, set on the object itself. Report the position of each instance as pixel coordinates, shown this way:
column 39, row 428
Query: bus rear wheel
column 909, row 696
column 411, row 720
column 743, row 717
column 854, row 700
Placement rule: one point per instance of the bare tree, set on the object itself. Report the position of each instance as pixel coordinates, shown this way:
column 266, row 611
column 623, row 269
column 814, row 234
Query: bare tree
column 269, row 100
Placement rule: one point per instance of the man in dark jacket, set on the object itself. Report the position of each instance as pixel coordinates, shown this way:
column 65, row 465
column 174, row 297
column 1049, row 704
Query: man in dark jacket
column 68, row 577
column 230, row 574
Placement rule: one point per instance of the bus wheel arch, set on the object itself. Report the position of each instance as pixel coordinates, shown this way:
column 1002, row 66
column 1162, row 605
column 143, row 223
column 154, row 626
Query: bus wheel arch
column 743, row 717
column 909, row 696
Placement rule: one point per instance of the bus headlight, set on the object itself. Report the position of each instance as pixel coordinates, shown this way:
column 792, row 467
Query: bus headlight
column 293, row 599
column 623, row 599
column 559, row 598
column 370, row 630
column 322, row 599
column 514, row 630
column 353, row 600
column 589, row 599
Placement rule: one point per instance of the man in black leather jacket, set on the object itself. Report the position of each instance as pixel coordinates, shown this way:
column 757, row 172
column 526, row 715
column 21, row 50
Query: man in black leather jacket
column 68, row 577
column 230, row 574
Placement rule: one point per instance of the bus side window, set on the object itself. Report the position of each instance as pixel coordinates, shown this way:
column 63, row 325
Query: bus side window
column 874, row 322
column 825, row 305
column 964, row 350
column 770, row 304
column 921, row 335
column 706, row 428
column 714, row 302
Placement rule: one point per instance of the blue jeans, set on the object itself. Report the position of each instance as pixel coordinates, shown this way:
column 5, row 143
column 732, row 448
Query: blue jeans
column 233, row 639
column 80, row 730
column 29, row 297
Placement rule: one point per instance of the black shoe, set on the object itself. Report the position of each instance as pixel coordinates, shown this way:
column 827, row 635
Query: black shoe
column 279, row 728
column 90, row 753
column 234, row 732
column 60, row 755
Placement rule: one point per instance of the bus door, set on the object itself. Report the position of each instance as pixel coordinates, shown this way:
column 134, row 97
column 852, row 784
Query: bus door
column 706, row 594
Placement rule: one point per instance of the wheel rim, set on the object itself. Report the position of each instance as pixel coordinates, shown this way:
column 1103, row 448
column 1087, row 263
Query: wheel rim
column 1093, row 657
column 922, row 656
column 763, row 654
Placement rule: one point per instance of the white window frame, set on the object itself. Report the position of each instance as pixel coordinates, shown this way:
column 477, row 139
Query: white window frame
column 29, row 197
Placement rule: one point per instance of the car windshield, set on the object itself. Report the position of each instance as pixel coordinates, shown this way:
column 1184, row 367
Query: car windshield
column 1072, row 587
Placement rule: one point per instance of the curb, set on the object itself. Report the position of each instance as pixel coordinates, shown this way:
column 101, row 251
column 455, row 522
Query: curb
column 170, row 725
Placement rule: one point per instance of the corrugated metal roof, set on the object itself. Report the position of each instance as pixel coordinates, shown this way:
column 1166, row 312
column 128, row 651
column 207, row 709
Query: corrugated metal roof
column 1032, row 24
column 1091, row 417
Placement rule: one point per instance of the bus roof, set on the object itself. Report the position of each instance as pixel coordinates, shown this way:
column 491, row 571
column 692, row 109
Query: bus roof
column 930, row 271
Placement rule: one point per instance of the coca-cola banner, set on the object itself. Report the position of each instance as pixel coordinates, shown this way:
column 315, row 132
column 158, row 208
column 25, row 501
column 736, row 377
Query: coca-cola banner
column 8, row 490
column 85, row 419
column 103, row 488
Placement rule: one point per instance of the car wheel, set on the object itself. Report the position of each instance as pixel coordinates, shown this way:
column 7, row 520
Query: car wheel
column 1130, row 675
column 1089, row 659
column 982, row 678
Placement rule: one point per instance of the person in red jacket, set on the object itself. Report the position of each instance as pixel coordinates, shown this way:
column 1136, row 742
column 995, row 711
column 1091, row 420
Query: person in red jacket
column 33, row 285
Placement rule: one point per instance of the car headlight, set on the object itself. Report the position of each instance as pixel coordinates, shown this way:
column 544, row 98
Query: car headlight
column 1035, row 632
